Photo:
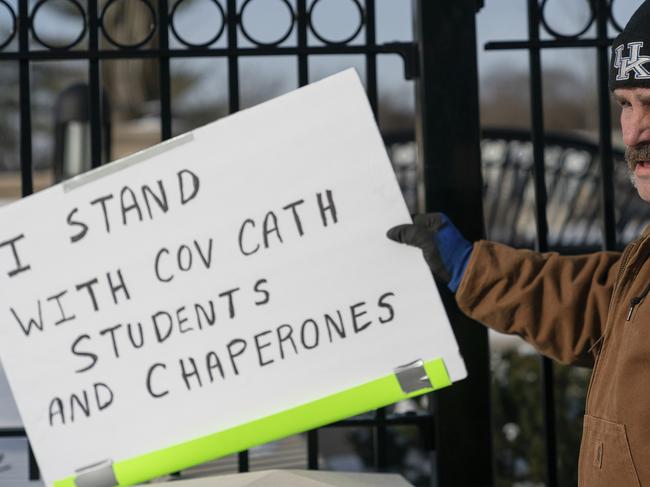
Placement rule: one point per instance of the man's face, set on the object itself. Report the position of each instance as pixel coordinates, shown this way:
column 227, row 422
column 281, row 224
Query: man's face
column 635, row 124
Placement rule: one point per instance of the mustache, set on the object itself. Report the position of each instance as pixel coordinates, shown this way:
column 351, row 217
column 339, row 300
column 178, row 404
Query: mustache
column 636, row 154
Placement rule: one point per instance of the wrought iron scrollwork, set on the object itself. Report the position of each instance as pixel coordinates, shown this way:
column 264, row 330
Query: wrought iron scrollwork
column 558, row 35
column 612, row 18
column 257, row 42
column 82, row 33
column 153, row 26
column 606, row 5
column 330, row 42
column 187, row 43
column 12, row 32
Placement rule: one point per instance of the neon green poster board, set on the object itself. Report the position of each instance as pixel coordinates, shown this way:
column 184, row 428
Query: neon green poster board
column 218, row 291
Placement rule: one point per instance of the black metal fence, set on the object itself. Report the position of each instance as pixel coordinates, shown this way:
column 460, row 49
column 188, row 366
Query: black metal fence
column 572, row 174
column 302, row 41
column 593, row 36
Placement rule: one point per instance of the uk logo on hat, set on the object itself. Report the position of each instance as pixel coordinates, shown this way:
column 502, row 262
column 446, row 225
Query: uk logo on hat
column 634, row 62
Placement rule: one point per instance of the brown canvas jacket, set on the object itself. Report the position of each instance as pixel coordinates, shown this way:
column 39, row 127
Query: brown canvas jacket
column 588, row 310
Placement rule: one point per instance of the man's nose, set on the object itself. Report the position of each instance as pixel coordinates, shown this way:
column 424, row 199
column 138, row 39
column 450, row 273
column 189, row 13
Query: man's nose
column 636, row 128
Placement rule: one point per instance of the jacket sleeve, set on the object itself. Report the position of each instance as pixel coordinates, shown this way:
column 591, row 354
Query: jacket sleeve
column 556, row 303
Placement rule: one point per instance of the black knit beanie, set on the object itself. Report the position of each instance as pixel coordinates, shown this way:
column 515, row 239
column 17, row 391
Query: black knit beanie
column 630, row 64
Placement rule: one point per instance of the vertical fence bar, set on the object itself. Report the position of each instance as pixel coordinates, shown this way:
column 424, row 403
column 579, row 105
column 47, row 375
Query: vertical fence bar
column 380, row 433
column 312, row 450
column 537, row 137
column 303, row 61
column 233, row 59
column 94, row 91
column 243, row 461
column 34, row 471
column 233, row 20
column 537, row 124
column 380, row 441
column 448, row 142
column 371, row 58
column 164, row 71
column 605, row 129
column 302, row 22
column 26, row 176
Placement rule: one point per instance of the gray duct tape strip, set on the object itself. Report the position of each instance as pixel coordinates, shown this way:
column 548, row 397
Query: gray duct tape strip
column 412, row 377
column 98, row 475
column 125, row 162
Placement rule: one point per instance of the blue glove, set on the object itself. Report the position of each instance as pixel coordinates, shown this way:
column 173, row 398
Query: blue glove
column 445, row 249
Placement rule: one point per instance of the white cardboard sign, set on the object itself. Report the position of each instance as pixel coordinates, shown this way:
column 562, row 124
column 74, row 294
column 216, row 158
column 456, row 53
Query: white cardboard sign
column 230, row 273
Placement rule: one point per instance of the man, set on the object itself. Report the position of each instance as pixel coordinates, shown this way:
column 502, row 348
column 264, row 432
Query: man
column 590, row 310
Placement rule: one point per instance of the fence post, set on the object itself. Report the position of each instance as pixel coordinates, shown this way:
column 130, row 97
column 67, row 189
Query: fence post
column 448, row 139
